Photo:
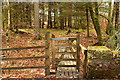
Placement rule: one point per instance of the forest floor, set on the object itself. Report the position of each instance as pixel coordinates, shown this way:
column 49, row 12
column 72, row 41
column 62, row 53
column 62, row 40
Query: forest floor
column 27, row 39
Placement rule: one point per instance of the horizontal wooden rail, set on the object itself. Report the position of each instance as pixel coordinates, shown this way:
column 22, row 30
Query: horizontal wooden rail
column 64, row 38
column 65, row 52
column 35, row 57
column 66, row 65
column 65, row 45
column 67, row 59
column 19, row 48
column 25, row 67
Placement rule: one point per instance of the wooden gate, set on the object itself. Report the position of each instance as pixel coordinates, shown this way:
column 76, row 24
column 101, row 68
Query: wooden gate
column 66, row 56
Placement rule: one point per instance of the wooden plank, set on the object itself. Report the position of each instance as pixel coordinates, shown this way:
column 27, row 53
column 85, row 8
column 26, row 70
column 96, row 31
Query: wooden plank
column 64, row 38
column 65, row 52
column 82, row 47
column 85, row 65
column 47, row 53
column 65, row 45
column 66, row 65
column 19, row 48
column 66, row 73
column 53, row 54
column 102, row 48
column 78, row 52
column 24, row 67
column 67, row 59
column 35, row 57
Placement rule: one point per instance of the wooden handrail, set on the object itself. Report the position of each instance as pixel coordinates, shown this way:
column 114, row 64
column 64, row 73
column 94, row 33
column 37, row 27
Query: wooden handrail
column 19, row 48
column 64, row 38
column 34, row 57
column 25, row 67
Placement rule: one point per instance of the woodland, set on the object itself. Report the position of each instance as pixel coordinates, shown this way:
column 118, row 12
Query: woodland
column 24, row 24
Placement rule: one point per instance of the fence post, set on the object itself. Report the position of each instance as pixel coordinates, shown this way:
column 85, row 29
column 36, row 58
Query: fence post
column 85, row 65
column 53, row 52
column 78, row 51
column 47, row 53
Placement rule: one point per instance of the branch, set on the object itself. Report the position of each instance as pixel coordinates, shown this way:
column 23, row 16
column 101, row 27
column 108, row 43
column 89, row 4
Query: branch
column 104, row 17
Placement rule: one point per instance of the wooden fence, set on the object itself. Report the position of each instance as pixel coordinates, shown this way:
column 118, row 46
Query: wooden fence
column 46, row 56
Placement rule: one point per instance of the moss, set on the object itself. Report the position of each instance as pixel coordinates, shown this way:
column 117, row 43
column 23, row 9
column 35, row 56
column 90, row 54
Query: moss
column 102, row 65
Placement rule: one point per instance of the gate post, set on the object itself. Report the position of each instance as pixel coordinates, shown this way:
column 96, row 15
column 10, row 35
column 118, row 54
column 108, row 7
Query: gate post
column 85, row 65
column 53, row 52
column 47, row 53
column 78, row 51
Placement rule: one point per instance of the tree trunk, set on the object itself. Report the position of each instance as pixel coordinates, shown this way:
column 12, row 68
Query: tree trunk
column 110, row 22
column 65, row 21
column 30, row 21
column 43, row 15
column 49, row 16
column 118, row 36
column 61, row 18
column 116, row 15
column 119, row 19
column 9, row 17
column 70, row 21
column 1, row 24
column 36, row 21
column 70, row 16
column 55, row 16
column 94, row 17
column 87, row 15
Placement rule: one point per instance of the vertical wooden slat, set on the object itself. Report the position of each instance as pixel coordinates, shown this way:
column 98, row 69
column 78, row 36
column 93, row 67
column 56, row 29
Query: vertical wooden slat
column 53, row 53
column 78, row 51
column 47, row 53
column 85, row 65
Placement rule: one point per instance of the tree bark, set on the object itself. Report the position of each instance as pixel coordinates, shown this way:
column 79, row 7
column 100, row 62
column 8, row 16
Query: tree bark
column 110, row 22
column 116, row 15
column 61, row 18
column 70, row 16
column 43, row 15
column 1, row 24
column 9, row 16
column 119, row 19
column 118, row 36
column 55, row 16
column 65, row 21
column 70, row 21
column 36, row 21
column 49, row 16
column 94, row 17
column 87, row 15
